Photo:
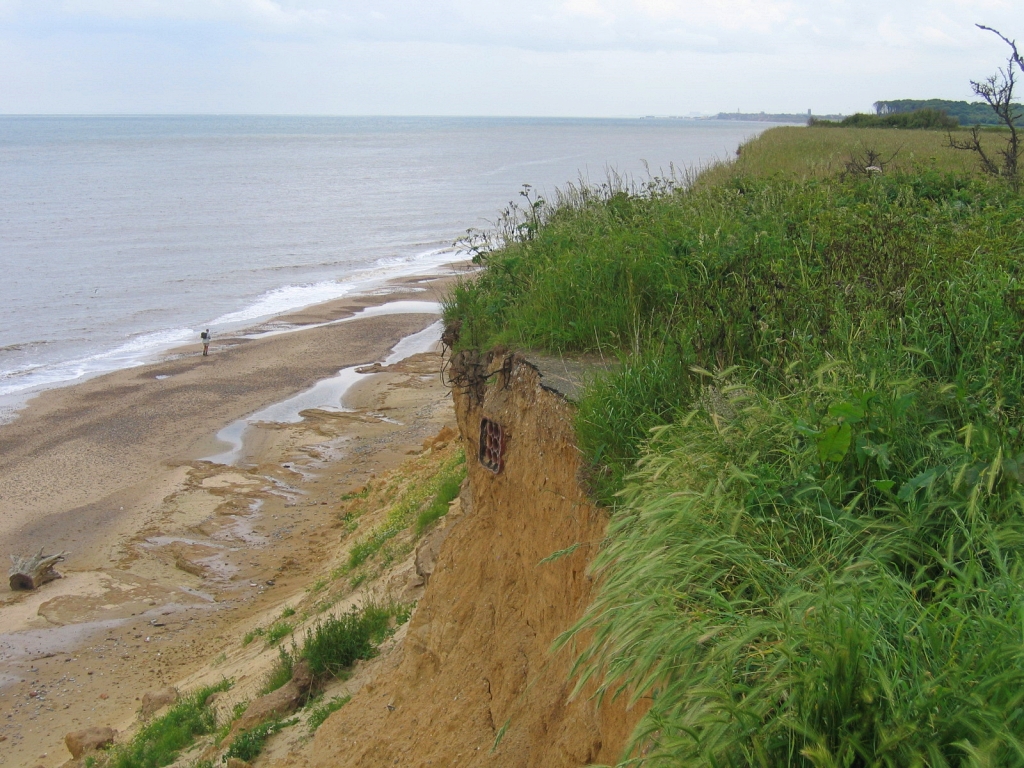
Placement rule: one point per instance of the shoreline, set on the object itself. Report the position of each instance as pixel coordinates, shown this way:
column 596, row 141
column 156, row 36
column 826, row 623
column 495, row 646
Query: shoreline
column 372, row 281
column 111, row 469
column 263, row 365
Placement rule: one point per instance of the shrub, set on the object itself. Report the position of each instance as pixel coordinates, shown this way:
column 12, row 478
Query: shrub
column 919, row 119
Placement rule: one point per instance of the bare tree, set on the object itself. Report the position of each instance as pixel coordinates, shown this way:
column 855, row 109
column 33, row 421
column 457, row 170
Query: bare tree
column 997, row 92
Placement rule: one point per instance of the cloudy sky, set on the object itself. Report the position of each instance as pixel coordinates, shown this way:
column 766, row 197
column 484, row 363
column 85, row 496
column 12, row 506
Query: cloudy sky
column 483, row 57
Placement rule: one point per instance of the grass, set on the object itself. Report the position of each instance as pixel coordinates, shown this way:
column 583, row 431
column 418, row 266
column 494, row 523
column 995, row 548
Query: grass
column 236, row 712
column 158, row 743
column 280, row 673
column 448, row 489
column 277, row 632
column 249, row 744
column 333, row 645
column 248, row 637
column 822, row 153
column 812, row 447
column 418, row 499
column 321, row 712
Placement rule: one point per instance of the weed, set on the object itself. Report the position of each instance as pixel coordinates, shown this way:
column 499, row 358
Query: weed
column 158, row 743
column 402, row 612
column 358, row 579
column 252, row 635
column 323, row 711
column 317, row 586
column 280, row 673
column 248, row 744
column 236, row 712
column 338, row 642
column 287, row 612
column 277, row 632
column 362, row 493
column 335, row 644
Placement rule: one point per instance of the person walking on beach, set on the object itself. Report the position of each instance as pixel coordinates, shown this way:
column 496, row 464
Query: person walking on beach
column 205, row 336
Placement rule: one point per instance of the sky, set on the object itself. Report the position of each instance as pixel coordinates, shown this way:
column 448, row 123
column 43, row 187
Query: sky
column 573, row 58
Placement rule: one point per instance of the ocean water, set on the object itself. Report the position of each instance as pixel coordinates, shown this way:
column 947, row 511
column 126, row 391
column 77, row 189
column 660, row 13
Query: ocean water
column 122, row 237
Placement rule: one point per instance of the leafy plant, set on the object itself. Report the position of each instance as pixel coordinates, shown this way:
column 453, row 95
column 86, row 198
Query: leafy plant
column 248, row 637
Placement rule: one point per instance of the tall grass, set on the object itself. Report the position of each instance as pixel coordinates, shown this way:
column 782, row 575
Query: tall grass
column 758, row 272
column 828, row 577
column 813, row 445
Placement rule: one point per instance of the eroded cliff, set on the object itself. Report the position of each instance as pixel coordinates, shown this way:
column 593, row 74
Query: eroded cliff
column 476, row 661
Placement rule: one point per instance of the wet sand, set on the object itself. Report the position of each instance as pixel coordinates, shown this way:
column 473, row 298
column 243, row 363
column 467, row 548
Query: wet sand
column 80, row 462
column 167, row 553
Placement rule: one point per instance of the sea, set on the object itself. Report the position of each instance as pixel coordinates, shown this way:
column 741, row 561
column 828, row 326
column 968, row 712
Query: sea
column 122, row 237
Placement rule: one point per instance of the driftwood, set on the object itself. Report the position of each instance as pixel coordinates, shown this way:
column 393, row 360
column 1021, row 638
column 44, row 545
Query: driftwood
column 32, row 572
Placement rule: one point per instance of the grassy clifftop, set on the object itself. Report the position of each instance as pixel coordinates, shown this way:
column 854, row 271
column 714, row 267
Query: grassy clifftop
column 813, row 446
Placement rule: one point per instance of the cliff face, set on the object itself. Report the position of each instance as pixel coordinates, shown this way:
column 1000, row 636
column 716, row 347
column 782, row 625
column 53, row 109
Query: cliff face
column 476, row 656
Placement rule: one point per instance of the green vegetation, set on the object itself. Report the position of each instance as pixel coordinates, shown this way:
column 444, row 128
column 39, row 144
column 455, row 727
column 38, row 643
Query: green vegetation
column 248, row 744
column 280, row 673
column 333, row 645
column 417, row 502
column 964, row 112
column 277, row 632
column 448, row 489
column 804, row 154
column 920, row 119
column 225, row 728
column 323, row 711
column 248, row 637
column 813, row 447
column 158, row 743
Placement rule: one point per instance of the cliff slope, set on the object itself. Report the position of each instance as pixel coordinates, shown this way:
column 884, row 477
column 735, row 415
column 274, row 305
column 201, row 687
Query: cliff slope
column 476, row 659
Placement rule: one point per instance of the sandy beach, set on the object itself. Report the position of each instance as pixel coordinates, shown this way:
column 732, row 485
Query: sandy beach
column 167, row 550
